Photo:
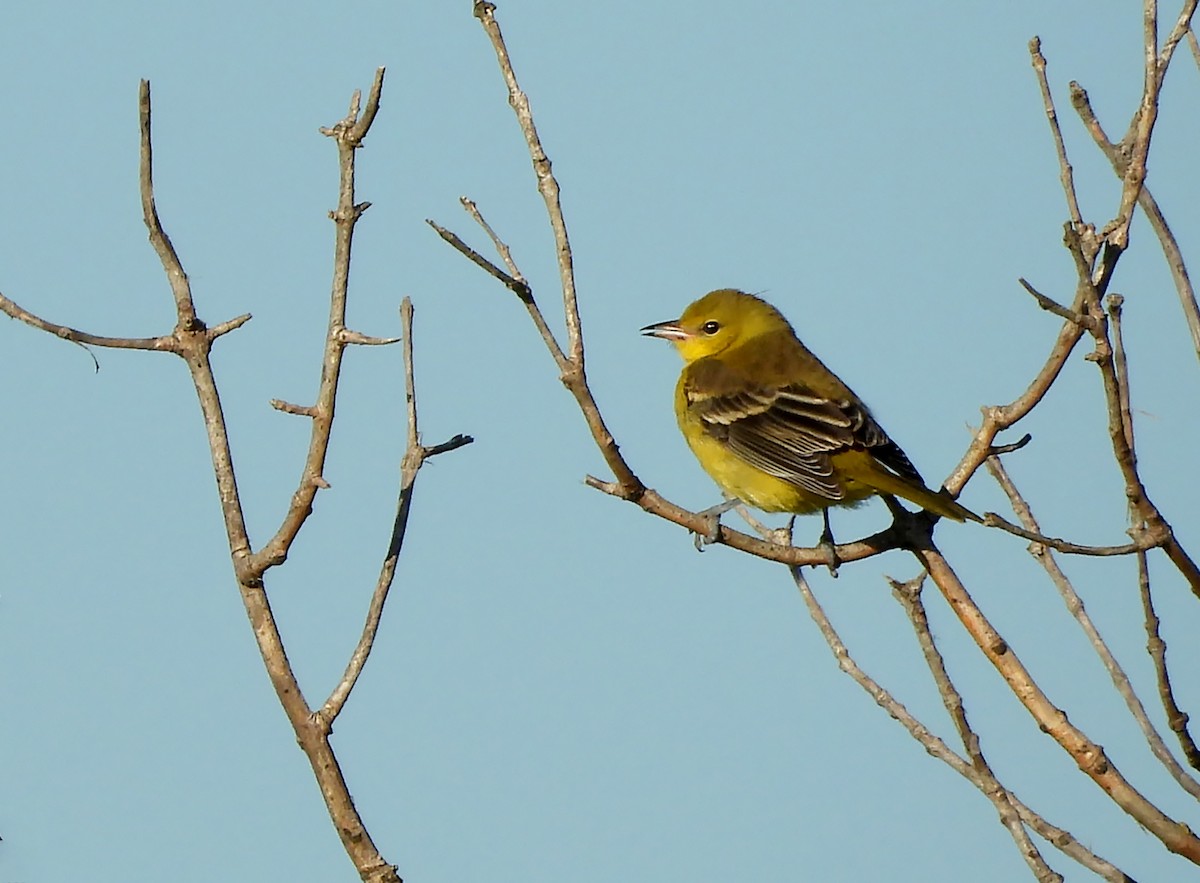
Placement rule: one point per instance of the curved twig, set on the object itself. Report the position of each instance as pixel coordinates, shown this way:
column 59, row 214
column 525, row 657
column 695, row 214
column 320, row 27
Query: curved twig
column 1146, row 541
column 414, row 458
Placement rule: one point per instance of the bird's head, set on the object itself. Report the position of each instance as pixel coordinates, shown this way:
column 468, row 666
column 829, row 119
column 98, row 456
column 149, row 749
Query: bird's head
column 719, row 321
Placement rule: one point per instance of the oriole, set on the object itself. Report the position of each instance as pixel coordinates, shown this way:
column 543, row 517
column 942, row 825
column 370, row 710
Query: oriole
column 771, row 424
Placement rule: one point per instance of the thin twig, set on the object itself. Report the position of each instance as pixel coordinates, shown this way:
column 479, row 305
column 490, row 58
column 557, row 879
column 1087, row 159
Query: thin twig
column 163, row 343
column 1156, row 646
column 348, row 134
column 1066, row 173
column 1087, row 754
column 937, row 748
column 414, row 458
column 1147, row 541
column 546, row 182
column 193, row 342
column 518, row 286
column 1181, row 28
column 181, row 288
column 997, row 418
column 1120, row 433
column 524, row 291
column 1078, row 611
column 998, row 450
column 1052, row 306
column 909, row 595
column 1177, row 719
column 1137, row 140
column 1121, row 368
column 1118, row 158
column 502, row 248
column 359, row 339
column 289, row 408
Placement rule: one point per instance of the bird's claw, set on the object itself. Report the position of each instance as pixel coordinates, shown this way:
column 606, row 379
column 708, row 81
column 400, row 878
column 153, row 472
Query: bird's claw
column 712, row 517
column 709, row 536
column 831, row 556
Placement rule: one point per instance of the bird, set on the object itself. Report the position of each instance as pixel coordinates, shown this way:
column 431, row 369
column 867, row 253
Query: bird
column 773, row 426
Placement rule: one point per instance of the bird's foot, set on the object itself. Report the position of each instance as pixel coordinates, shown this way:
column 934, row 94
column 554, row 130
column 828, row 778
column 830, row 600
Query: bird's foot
column 706, row 538
column 713, row 516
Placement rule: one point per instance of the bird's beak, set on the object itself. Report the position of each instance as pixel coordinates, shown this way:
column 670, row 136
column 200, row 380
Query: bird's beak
column 667, row 331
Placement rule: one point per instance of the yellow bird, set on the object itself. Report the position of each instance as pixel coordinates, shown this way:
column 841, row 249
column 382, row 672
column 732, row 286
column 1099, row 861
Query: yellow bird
column 772, row 425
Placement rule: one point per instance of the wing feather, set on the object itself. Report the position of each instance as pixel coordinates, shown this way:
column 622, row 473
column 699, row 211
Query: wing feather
column 789, row 431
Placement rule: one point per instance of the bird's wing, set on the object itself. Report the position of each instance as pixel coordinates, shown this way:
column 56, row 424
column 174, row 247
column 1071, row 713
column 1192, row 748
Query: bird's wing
column 788, row 431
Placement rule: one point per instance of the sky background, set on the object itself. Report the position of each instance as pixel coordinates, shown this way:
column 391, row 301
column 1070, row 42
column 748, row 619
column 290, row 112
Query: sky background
column 562, row 689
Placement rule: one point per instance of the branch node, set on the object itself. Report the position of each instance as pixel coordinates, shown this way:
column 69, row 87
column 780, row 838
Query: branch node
column 289, row 408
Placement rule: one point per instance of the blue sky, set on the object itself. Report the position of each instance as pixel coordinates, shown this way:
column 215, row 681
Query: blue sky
column 563, row 688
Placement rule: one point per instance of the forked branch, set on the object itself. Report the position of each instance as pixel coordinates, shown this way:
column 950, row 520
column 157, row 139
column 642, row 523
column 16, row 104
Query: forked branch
column 192, row 340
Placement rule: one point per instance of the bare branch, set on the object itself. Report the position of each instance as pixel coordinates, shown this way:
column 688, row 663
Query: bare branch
column 1121, row 369
column 193, row 342
column 793, row 556
column 1137, row 140
column 360, row 128
column 348, row 134
column 518, row 286
column 1118, row 157
column 1077, row 610
column 227, row 326
column 360, row 339
column 929, row 741
column 547, row 185
column 502, row 248
column 937, row 748
column 181, row 289
column 1068, row 845
column 998, row 450
column 1177, row 719
column 1053, row 306
column 997, row 418
column 414, row 457
column 1181, row 28
column 1066, row 173
column 194, row 345
column 1120, row 433
column 991, row 519
column 1089, row 756
column 522, row 289
column 164, row 343
column 289, row 408
column 909, row 595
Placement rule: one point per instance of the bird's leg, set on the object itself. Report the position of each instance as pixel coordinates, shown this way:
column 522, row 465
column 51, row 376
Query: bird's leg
column 713, row 514
column 827, row 545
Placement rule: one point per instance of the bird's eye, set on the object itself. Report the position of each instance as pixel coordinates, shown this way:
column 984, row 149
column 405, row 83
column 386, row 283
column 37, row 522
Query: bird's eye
column 710, row 327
